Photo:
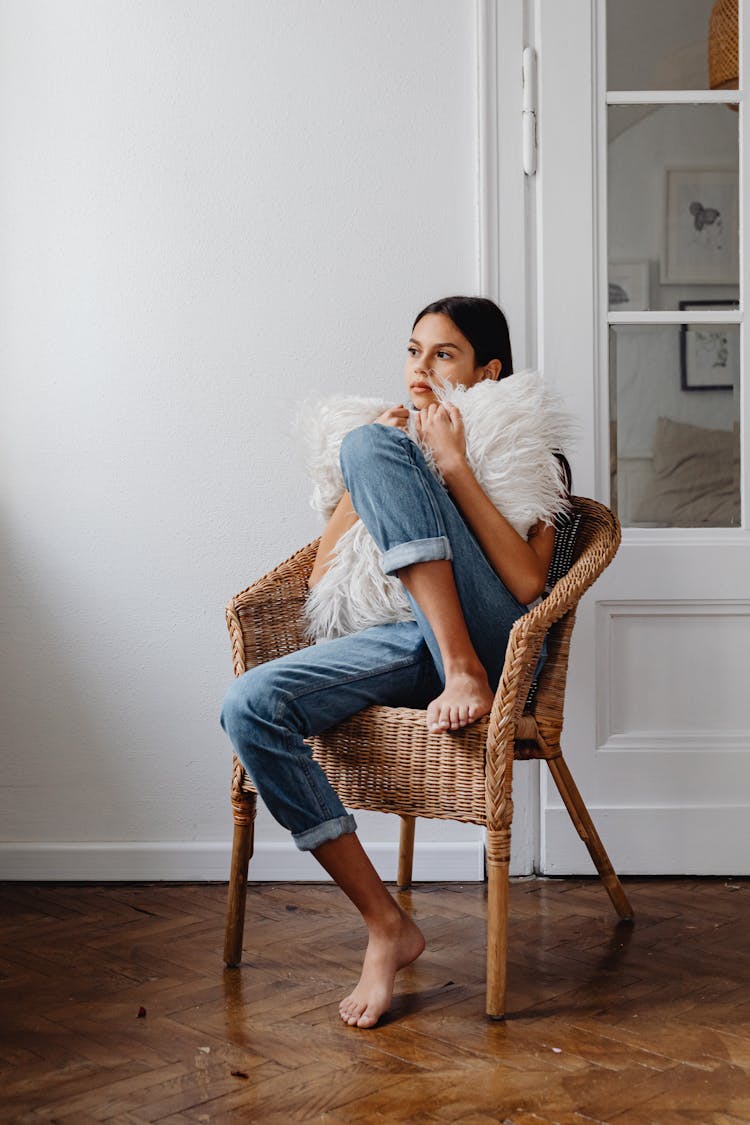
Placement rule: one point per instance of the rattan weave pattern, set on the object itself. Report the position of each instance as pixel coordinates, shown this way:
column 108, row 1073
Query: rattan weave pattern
column 265, row 620
column 384, row 759
column 723, row 45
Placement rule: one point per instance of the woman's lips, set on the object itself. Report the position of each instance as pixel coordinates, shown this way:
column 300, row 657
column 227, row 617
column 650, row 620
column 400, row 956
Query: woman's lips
column 421, row 387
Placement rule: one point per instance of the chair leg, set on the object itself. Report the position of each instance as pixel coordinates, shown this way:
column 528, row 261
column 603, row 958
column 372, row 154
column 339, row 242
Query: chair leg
column 581, row 818
column 406, row 852
column 243, row 805
column 498, row 869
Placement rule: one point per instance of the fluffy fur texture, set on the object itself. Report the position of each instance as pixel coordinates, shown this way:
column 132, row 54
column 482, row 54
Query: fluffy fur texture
column 513, row 429
column 324, row 425
column 354, row 593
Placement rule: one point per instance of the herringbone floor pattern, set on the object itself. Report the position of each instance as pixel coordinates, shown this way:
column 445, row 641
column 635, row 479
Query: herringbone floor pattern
column 608, row 1023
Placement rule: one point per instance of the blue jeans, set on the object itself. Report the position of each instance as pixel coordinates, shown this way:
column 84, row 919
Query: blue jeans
column 270, row 710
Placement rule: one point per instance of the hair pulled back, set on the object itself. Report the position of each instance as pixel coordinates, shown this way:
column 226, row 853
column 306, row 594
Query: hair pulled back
column 482, row 323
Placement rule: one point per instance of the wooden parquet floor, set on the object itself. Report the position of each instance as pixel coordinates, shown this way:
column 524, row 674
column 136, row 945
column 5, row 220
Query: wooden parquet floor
column 607, row 1022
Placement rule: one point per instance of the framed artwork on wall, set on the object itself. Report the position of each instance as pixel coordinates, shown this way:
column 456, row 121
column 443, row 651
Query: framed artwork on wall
column 628, row 285
column 709, row 353
column 701, row 227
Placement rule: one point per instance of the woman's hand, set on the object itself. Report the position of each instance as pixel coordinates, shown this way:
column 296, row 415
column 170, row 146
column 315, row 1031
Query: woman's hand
column 397, row 416
column 441, row 426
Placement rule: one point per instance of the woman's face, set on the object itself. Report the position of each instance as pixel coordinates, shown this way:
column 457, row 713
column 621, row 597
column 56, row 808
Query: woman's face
column 438, row 351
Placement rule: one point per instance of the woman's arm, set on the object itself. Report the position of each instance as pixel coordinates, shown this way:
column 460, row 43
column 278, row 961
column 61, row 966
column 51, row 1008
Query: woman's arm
column 521, row 564
column 342, row 519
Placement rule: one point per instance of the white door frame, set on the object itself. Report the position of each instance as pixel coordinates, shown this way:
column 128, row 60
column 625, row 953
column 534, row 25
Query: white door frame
column 505, row 217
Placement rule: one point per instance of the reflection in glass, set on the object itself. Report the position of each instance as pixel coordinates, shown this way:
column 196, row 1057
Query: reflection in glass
column 660, row 44
column 673, row 205
column 723, row 46
column 675, row 426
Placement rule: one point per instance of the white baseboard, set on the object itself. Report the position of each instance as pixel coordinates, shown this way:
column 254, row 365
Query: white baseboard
column 652, row 840
column 461, row 862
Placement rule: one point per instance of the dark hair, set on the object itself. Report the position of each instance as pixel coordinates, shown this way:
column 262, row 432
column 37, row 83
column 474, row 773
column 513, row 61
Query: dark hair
column 482, row 323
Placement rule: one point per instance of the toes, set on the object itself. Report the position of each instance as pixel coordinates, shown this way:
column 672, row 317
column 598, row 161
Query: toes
column 351, row 1010
column 358, row 1013
column 450, row 716
column 446, row 717
column 458, row 716
column 348, row 1009
column 367, row 1020
column 437, row 719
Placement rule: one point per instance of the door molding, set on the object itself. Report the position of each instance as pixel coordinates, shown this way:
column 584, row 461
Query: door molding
column 505, row 266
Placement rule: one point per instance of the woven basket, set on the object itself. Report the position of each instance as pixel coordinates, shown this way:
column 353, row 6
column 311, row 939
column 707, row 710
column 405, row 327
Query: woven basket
column 723, row 43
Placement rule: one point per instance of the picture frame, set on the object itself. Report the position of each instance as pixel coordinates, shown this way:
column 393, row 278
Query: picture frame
column 629, row 286
column 701, row 227
column 709, row 354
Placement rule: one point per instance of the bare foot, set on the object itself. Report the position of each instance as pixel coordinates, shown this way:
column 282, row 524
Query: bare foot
column 467, row 696
column 387, row 952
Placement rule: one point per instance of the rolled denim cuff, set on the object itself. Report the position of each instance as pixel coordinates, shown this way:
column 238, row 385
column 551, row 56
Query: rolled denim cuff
column 321, row 833
column 416, row 550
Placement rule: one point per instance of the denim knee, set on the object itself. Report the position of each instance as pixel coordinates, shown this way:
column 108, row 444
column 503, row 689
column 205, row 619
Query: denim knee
column 362, row 442
column 252, row 696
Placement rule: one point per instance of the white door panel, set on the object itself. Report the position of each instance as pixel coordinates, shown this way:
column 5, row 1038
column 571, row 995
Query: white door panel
column 657, row 730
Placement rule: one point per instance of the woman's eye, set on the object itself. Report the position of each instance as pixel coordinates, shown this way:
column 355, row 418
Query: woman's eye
column 443, row 355
column 412, row 350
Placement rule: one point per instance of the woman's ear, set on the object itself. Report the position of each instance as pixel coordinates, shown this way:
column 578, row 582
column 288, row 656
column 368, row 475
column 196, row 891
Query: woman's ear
column 492, row 369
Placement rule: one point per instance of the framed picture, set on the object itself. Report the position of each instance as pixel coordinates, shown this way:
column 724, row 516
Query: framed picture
column 709, row 353
column 701, row 227
column 628, row 286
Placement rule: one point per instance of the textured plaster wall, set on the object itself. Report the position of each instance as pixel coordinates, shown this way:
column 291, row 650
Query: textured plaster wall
column 208, row 212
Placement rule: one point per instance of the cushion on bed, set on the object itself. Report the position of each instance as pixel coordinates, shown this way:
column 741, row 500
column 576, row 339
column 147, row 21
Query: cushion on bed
column 696, row 477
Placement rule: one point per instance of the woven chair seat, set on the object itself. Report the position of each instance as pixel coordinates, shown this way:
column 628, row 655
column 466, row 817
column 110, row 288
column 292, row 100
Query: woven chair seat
column 385, row 760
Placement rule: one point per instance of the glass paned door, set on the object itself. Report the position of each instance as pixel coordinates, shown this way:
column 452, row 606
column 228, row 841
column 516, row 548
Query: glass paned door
column 673, row 211
column 657, row 728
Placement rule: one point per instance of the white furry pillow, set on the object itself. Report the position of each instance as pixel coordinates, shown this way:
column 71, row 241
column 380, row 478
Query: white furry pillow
column 513, row 430
column 324, row 426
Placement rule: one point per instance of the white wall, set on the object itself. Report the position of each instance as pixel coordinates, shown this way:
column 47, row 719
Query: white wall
column 208, row 211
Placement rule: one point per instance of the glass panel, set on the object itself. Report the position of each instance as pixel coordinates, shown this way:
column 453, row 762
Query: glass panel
column 673, row 205
column 675, row 426
column 671, row 45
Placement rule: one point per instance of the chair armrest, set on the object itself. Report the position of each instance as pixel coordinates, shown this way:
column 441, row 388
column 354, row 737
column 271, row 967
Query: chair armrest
column 605, row 533
column 265, row 619
column 526, row 639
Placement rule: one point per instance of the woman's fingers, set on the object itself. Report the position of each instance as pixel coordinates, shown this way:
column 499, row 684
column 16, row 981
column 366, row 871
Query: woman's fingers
column 394, row 416
column 437, row 415
column 441, row 410
column 454, row 413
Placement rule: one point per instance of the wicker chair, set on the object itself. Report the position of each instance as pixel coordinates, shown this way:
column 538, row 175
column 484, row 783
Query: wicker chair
column 384, row 759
